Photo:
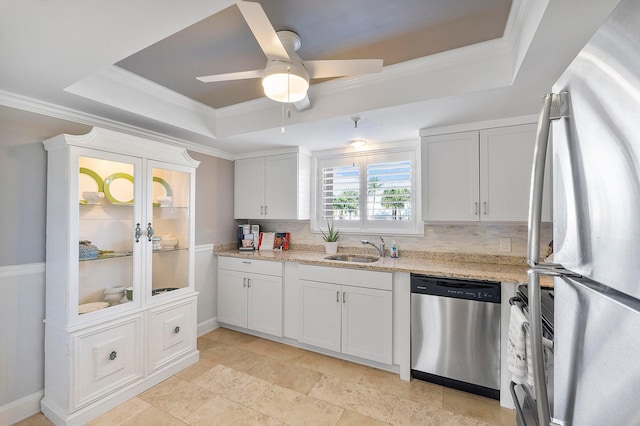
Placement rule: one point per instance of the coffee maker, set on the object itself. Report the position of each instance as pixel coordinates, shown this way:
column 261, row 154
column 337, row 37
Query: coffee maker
column 248, row 237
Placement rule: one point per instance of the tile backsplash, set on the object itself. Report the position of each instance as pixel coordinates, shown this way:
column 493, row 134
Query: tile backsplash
column 476, row 238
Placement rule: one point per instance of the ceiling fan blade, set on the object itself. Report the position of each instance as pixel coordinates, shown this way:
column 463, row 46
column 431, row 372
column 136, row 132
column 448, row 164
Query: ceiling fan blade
column 263, row 31
column 338, row 68
column 241, row 75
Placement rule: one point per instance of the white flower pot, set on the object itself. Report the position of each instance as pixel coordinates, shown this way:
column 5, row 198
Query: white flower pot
column 331, row 247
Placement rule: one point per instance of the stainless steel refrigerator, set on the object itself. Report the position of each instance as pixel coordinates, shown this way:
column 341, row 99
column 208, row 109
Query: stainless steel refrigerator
column 593, row 119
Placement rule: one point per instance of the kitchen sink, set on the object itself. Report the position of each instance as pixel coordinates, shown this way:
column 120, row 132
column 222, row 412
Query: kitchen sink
column 352, row 258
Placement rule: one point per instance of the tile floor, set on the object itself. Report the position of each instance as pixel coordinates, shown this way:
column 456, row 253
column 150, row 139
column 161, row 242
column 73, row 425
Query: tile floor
column 245, row 380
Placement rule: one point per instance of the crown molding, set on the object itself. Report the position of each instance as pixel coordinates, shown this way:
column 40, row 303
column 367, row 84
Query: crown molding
column 57, row 111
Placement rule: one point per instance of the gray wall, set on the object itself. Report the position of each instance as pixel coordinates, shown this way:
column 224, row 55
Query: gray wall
column 23, row 170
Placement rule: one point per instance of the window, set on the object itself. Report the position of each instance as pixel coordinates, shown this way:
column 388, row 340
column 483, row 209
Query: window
column 372, row 191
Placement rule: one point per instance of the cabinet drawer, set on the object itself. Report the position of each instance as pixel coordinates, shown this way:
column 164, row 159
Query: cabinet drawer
column 105, row 359
column 265, row 267
column 354, row 277
column 172, row 333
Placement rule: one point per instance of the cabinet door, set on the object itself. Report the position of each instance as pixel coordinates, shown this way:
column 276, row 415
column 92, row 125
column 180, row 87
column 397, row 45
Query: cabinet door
column 506, row 156
column 232, row 297
column 281, row 193
column 265, row 304
column 249, row 188
column 450, row 177
column 320, row 314
column 367, row 323
column 172, row 333
column 109, row 209
column 169, row 195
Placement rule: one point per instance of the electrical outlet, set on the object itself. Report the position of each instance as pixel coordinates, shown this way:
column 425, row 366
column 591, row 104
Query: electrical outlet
column 505, row 244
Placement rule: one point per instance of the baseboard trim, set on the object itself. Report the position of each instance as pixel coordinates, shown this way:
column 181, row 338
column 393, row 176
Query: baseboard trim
column 20, row 409
column 207, row 326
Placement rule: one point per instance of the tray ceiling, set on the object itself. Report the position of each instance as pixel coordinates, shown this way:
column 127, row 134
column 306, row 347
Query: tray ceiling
column 396, row 31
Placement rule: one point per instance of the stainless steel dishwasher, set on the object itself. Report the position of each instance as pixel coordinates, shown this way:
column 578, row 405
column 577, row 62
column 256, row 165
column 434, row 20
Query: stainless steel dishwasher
column 455, row 333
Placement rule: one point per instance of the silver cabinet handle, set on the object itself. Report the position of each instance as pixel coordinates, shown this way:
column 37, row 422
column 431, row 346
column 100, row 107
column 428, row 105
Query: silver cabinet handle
column 150, row 231
column 261, row 209
column 246, row 262
column 244, row 282
column 265, row 210
column 484, row 204
column 476, row 204
column 337, row 297
column 248, row 282
column 344, row 297
column 176, row 330
column 138, row 233
column 113, row 355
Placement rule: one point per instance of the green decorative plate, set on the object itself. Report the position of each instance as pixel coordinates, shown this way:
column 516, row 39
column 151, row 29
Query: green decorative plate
column 123, row 197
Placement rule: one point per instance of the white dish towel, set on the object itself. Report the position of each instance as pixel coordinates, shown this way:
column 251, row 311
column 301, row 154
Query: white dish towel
column 519, row 348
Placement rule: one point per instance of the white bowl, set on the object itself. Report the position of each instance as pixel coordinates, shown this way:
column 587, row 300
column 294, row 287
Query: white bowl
column 93, row 197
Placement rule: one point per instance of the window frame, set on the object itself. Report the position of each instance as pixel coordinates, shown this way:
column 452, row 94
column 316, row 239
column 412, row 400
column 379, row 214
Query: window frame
column 398, row 151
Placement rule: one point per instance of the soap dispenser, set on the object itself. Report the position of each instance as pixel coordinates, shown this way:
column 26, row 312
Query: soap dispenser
column 394, row 250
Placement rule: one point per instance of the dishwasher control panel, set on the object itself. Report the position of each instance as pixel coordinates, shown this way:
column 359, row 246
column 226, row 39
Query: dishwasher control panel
column 483, row 291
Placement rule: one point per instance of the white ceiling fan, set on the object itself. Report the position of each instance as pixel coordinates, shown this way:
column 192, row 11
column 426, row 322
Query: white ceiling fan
column 286, row 76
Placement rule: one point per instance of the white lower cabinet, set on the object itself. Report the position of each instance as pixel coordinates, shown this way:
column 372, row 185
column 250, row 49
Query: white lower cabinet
column 171, row 333
column 347, row 311
column 250, row 294
column 105, row 359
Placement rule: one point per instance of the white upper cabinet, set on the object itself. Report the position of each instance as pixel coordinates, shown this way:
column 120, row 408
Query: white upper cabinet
column 273, row 187
column 481, row 175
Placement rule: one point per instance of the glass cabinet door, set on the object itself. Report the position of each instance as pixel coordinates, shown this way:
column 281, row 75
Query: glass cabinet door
column 107, row 224
column 171, row 205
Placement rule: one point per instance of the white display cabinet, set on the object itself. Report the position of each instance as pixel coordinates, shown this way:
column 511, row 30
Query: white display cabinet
column 120, row 297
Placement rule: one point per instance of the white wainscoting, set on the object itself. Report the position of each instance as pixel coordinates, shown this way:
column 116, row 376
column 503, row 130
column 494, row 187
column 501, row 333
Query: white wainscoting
column 22, row 310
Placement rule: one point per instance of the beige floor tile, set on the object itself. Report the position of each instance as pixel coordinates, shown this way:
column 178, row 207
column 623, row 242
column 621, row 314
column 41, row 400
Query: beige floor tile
column 294, row 408
column 196, row 370
column 355, row 397
column 351, row 418
column 275, row 350
column 176, row 397
column 35, row 420
column 331, row 366
column 234, row 385
column 122, row 413
column 230, row 337
column 231, row 356
column 415, row 390
column 287, row 375
column 219, row 411
column 407, row 412
column 153, row 416
column 205, row 344
column 479, row 407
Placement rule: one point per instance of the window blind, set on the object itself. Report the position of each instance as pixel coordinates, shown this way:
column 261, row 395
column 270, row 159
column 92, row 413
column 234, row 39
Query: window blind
column 340, row 189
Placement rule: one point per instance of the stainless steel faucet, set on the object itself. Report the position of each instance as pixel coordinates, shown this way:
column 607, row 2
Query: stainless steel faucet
column 381, row 249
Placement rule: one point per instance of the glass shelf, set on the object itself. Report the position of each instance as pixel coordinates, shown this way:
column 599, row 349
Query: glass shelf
column 114, row 255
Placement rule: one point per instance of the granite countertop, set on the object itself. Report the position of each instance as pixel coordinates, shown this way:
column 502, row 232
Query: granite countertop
column 462, row 265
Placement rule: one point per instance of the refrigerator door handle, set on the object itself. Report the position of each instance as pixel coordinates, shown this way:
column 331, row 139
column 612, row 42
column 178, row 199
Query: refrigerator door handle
column 554, row 106
column 535, row 325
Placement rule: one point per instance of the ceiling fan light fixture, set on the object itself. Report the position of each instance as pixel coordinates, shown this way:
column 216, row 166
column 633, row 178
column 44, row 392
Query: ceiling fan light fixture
column 284, row 82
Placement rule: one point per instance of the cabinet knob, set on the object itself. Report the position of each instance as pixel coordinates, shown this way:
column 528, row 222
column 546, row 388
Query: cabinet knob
column 138, row 232
column 150, row 231
column 176, row 330
column 113, row 355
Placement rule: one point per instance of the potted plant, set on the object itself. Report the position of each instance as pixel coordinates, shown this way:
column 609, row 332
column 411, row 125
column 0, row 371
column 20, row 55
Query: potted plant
column 330, row 238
